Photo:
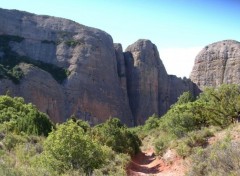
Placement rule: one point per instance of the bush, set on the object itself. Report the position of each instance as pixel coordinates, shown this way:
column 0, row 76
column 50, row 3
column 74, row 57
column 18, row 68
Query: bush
column 214, row 107
column 186, row 97
column 68, row 147
column 71, row 43
column 186, row 146
column 151, row 123
column 117, row 136
column 198, row 138
column 220, row 159
column 178, row 123
column 116, row 164
column 19, row 117
column 183, row 149
column 162, row 142
column 11, row 140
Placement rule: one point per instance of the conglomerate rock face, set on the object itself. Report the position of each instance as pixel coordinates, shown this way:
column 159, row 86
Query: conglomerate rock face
column 103, row 80
column 144, row 68
column 216, row 64
column 91, row 91
column 151, row 90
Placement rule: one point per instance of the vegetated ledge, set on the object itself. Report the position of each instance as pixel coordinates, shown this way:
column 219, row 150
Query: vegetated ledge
column 9, row 62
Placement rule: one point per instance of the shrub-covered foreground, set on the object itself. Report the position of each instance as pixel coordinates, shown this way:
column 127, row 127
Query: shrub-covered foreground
column 31, row 145
column 221, row 159
column 188, row 125
column 190, row 119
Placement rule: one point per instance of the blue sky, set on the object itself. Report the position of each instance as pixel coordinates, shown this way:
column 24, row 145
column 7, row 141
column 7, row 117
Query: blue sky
column 179, row 28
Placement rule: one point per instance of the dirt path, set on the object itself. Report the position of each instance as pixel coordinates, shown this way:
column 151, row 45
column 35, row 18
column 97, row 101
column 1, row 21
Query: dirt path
column 146, row 163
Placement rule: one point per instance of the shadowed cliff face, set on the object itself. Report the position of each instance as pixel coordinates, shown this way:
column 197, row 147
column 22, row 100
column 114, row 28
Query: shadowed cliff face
column 146, row 77
column 216, row 64
column 102, row 80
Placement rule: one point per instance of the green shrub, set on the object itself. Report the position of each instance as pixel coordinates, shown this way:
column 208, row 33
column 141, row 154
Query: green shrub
column 73, row 43
column 186, row 97
column 214, row 107
column 220, row 159
column 178, row 123
column 68, row 147
column 117, row 136
column 162, row 142
column 151, row 123
column 11, row 140
column 115, row 165
column 186, row 146
column 19, row 154
column 183, row 149
column 19, row 117
column 161, row 146
column 198, row 138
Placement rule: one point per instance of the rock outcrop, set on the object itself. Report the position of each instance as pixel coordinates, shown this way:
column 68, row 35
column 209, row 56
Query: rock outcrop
column 143, row 70
column 103, row 80
column 216, row 64
column 91, row 91
column 150, row 89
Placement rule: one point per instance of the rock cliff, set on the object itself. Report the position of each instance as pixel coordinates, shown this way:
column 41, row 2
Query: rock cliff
column 216, row 64
column 150, row 89
column 65, row 68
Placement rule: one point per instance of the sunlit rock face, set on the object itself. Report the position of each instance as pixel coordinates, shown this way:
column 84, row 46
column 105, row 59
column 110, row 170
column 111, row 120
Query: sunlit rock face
column 102, row 80
column 216, row 64
column 91, row 91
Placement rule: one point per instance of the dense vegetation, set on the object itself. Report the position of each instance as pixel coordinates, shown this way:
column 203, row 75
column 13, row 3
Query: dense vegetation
column 17, row 117
column 9, row 62
column 69, row 147
column 31, row 145
column 117, row 136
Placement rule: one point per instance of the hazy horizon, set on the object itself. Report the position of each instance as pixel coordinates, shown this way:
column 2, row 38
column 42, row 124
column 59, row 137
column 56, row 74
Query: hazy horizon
column 179, row 28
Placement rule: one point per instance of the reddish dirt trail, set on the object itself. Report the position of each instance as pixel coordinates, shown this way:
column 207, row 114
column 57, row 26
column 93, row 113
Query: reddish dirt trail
column 146, row 163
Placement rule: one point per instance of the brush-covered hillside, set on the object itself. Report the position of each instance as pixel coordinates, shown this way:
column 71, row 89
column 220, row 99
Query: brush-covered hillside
column 196, row 137
column 30, row 144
